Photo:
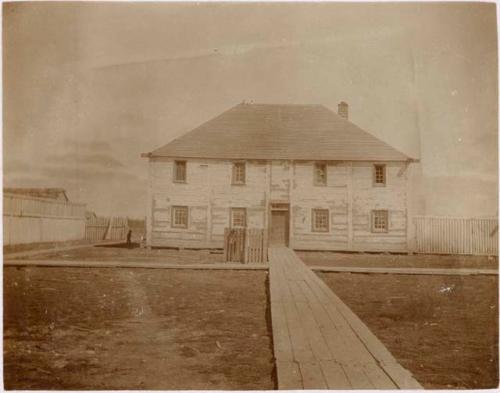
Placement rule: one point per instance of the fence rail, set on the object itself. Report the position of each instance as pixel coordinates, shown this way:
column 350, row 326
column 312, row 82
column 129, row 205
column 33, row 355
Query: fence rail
column 106, row 228
column 247, row 245
column 446, row 235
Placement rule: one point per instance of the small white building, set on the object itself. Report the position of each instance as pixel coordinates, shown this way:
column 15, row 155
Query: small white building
column 315, row 180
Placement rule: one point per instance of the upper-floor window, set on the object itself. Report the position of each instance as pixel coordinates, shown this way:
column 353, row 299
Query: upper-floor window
column 238, row 217
column 320, row 220
column 380, row 221
column 239, row 175
column 379, row 175
column 180, row 171
column 179, row 216
column 319, row 174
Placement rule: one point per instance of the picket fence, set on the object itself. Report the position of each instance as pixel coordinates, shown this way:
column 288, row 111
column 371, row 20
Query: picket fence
column 246, row 245
column 106, row 228
column 445, row 235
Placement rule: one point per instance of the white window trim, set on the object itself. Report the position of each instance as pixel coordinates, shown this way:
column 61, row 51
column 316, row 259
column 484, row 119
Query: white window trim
column 231, row 211
column 233, row 173
column 313, row 221
column 315, row 179
column 372, row 221
column 375, row 184
column 175, row 180
column 180, row 226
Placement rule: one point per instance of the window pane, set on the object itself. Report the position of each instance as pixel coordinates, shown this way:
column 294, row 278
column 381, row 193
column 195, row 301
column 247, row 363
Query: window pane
column 380, row 174
column 238, row 218
column 380, row 220
column 180, row 171
column 320, row 174
column 320, row 220
column 239, row 172
column 180, row 216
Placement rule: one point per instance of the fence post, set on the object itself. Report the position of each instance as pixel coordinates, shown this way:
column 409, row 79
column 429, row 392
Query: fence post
column 226, row 233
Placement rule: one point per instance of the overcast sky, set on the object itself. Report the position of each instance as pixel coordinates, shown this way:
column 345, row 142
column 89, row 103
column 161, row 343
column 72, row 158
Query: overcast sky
column 89, row 87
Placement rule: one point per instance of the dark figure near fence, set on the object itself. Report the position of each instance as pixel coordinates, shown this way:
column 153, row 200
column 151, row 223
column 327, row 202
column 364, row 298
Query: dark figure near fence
column 129, row 238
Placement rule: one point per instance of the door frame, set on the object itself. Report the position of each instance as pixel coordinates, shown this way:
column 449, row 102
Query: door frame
column 284, row 207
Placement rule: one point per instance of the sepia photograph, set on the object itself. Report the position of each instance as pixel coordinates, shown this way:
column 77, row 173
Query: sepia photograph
column 250, row 195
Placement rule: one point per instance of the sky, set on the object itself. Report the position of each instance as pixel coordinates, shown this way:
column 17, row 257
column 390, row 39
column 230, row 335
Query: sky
column 88, row 87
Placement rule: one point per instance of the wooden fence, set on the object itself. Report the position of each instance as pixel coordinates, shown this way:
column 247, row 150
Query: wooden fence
column 444, row 235
column 247, row 245
column 28, row 219
column 106, row 228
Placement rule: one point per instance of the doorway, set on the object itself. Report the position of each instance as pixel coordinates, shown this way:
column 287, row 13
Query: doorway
column 278, row 235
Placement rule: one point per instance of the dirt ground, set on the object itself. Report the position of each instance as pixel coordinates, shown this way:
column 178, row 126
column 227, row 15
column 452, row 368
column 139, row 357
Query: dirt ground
column 41, row 246
column 120, row 252
column 325, row 258
column 444, row 329
column 77, row 328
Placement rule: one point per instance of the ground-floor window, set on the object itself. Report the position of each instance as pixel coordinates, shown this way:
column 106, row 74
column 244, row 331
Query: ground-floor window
column 320, row 220
column 238, row 217
column 380, row 220
column 179, row 216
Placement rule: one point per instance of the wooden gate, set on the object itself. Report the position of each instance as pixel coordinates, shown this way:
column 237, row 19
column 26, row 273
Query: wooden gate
column 247, row 245
column 106, row 228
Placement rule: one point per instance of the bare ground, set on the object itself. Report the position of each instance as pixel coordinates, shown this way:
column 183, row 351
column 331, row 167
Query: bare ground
column 41, row 246
column 120, row 252
column 77, row 328
column 327, row 258
column 444, row 329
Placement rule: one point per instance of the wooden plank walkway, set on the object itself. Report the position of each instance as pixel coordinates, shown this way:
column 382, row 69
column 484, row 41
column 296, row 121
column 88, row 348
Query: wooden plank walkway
column 137, row 264
column 407, row 270
column 319, row 343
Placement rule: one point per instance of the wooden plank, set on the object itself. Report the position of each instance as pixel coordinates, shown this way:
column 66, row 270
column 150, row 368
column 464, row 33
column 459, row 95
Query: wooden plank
column 289, row 376
column 401, row 377
column 300, row 343
column 312, row 376
column 316, row 340
column 378, row 377
column 334, row 375
column 357, row 377
column 281, row 337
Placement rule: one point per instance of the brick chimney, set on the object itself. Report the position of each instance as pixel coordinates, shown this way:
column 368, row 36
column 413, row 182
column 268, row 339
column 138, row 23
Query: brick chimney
column 344, row 110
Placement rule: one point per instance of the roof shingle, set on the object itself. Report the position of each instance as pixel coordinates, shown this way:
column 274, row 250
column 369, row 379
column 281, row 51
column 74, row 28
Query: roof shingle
column 289, row 132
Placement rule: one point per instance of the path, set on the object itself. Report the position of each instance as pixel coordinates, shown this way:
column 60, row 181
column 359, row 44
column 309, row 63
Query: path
column 138, row 264
column 406, row 270
column 319, row 343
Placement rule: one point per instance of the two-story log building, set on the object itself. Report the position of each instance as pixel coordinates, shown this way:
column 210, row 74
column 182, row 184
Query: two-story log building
column 315, row 180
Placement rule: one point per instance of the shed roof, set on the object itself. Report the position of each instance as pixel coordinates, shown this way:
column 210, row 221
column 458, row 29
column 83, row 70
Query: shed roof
column 269, row 131
column 47, row 193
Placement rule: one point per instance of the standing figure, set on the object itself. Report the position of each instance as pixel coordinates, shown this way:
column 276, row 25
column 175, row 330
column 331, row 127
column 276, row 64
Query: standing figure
column 129, row 238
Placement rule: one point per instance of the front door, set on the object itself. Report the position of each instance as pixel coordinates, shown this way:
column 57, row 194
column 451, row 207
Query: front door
column 279, row 228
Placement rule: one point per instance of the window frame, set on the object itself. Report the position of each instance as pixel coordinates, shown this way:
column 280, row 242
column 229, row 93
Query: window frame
column 231, row 216
column 176, row 163
column 173, row 223
column 384, row 174
column 385, row 212
column 234, row 181
column 314, row 228
column 315, row 174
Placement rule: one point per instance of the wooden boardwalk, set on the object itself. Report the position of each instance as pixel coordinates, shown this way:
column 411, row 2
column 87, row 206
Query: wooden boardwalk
column 319, row 343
